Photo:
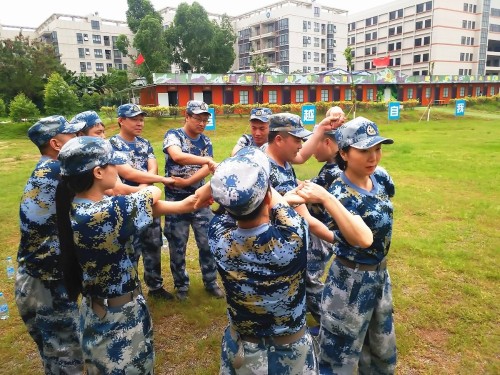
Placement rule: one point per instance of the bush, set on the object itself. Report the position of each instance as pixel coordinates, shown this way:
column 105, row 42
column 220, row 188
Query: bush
column 59, row 97
column 23, row 108
column 91, row 102
column 2, row 108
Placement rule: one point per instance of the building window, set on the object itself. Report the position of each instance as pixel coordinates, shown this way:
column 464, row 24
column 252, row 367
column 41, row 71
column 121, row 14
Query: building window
column 395, row 14
column 316, row 56
column 304, row 56
column 83, row 67
column 95, row 25
column 371, row 21
column 316, row 27
column 427, row 92
column 273, row 96
column 244, row 97
column 462, row 91
column 316, row 42
column 86, row 37
column 394, row 46
column 109, row 66
column 89, row 66
column 316, row 11
column 395, row 30
column 99, row 67
column 424, row 7
column 369, row 94
column 492, row 91
column 446, row 92
column 96, row 39
column 299, row 96
column 395, row 62
column 304, row 26
column 368, row 65
column 410, row 94
column 108, row 54
column 348, row 95
column 79, row 38
column 416, row 58
column 98, row 53
column 324, row 96
column 81, row 53
column 87, row 51
column 425, row 57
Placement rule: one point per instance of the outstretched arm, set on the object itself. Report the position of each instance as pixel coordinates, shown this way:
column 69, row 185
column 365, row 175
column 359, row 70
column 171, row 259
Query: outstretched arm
column 162, row 207
column 353, row 228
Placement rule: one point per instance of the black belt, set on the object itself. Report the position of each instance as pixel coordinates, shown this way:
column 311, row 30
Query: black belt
column 362, row 267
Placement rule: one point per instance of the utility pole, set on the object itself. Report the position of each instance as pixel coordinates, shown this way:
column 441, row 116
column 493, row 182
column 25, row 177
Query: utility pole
column 431, row 94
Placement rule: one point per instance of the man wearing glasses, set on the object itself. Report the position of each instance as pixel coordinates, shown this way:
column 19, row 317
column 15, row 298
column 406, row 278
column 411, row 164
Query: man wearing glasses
column 189, row 159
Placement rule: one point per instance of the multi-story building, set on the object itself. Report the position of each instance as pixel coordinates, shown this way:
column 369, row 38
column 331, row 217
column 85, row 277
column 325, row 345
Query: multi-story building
column 429, row 37
column 85, row 45
column 293, row 36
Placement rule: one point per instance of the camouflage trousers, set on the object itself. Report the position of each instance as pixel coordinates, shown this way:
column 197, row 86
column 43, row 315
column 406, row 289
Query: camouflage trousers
column 119, row 343
column 357, row 316
column 148, row 244
column 177, row 234
column 297, row 358
column 318, row 254
column 52, row 321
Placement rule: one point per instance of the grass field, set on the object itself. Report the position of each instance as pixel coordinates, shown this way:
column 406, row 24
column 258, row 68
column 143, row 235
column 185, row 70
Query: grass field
column 444, row 258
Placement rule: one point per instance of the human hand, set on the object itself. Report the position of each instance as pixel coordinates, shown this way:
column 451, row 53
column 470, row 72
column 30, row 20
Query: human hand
column 212, row 165
column 312, row 193
column 292, row 198
column 168, row 181
column 179, row 182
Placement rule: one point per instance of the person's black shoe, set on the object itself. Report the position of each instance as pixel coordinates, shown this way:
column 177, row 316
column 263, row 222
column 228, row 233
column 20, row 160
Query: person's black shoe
column 216, row 292
column 182, row 295
column 161, row 294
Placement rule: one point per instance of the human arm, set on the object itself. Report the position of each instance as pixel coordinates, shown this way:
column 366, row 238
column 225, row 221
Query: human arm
column 314, row 139
column 162, row 207
column 152, row 166
column 352, row 227
column 184, row 158
column 199, row 175
column 127, row 172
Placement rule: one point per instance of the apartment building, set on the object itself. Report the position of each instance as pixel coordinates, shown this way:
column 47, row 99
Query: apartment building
column 436, row 37
column 293, row 36
column 85, row 45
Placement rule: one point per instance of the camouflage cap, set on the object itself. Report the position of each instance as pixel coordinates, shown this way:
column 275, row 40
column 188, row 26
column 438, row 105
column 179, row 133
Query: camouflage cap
column 261, row 114
column 195, row 107
column 241, row 182
column 90, row 118
column 82, row 154
column 46, row 128
column 289, row 123
column 130, row 110
column 359, row 133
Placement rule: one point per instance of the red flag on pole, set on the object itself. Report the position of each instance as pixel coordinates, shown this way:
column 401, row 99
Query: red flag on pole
column 381, row 61
column 140, row 59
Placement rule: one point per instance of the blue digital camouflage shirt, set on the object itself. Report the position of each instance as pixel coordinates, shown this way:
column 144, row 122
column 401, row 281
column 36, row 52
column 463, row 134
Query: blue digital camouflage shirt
column 39, row 246
column 246, row 140
column 376, row 210
column 200, row 146
column 263, row 271
column 137, row 153
column 328, row 173
column 282, row 179
column 103, row 233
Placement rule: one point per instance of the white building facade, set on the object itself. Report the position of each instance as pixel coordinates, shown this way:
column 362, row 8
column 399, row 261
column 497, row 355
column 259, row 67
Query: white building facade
column 429, row 37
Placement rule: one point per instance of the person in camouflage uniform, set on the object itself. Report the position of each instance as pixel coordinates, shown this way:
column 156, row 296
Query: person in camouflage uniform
column 144, row 170
column 189, row 159
column 259, row 126
column 41, row 297
column 319, row 251
column 260, row 245
column 357, row 310
column 94, row 127
column 96, row 234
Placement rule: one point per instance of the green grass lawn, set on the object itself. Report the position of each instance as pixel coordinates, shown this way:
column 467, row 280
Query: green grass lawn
column 443, row 260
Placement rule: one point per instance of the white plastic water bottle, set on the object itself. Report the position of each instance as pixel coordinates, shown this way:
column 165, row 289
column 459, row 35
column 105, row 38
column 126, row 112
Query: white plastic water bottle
column 4, row 308
column 10, row 268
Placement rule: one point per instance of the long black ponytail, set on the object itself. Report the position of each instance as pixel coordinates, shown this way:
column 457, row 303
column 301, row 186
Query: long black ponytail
column 69, row 265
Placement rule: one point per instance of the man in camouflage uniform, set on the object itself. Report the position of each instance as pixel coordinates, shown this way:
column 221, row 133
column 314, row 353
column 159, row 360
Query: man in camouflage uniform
column 189, row 159
column 42, row 299
column 260, row 248
column 140, row 156
column 259, row 126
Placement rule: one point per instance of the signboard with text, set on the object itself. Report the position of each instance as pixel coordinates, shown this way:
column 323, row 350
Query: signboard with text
column 393, row 110
column 211, row 120
column 460, row 107
column 309, row 114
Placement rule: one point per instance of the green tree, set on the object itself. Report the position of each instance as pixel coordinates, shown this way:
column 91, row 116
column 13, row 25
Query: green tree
column 260, row 67
column 349, row 56
column 25, row 66
column 21, row 107
column 59, row 97
column 137, row 11
column 150, row 41
column 198, row 44
column 122, row 44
